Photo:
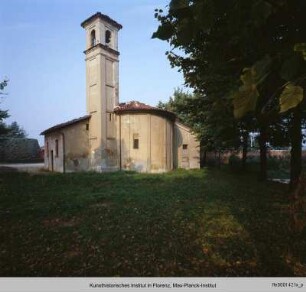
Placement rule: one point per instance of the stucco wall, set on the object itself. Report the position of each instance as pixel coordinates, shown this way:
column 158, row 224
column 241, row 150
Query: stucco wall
column 73, row 149
column 19, row 150
column 155, row 134
column 189, row 157
column 102, row 95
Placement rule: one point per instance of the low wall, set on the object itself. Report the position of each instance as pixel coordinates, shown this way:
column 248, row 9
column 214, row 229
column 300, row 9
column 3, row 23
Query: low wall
column 224, row 156
column 19, row 150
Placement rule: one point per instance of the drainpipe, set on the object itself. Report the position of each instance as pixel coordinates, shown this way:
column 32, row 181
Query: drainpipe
column 120, row 159
column 64, row 152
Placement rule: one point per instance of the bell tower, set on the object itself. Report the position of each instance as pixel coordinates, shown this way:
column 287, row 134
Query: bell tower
column 102, row 89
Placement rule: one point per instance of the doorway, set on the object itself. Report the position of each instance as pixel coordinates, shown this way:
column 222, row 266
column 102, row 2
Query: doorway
column 52, row 161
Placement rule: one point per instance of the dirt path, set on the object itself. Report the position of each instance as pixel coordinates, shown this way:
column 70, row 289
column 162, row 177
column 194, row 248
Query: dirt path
column 24, row 167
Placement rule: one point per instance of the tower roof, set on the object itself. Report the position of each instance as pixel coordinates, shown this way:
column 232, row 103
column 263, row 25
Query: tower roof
column 103, row 17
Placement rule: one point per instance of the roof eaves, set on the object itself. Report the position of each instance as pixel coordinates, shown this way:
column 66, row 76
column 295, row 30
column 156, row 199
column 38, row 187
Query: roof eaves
column 103, row 47
column 64, row 125
column 152, row 110
column 103, row 17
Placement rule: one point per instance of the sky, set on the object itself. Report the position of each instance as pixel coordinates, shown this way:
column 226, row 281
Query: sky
column 41, row 53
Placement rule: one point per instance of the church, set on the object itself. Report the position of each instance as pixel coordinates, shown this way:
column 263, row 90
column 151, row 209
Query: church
column 112, row 135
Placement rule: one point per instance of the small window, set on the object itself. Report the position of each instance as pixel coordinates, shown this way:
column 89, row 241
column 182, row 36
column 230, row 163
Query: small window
column 93, row 38
column 47, row 149
column 110, row 117
column 136, row 144
column 185, row 146
column 108, row 36
column 87, row 127
column 136, row 141
column 56, row 148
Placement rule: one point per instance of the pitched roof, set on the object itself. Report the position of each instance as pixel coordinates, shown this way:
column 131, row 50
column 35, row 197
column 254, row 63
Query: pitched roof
column 103, row 17
column 136, row 106
column 64, row 125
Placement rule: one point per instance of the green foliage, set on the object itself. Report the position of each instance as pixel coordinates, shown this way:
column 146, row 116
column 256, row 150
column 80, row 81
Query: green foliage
column 212, row 120
column 3, row 84
column 245, row 99
column 178, row 104
column 243, row 50
column 235, row 163
column 285, row 55
column 164, row 32
column 301, row 48
column 183, row 223
column 209, row 63
column 15, row 131
column 291, row 96
column 3, row 113
column 291, row 67
column 236, row 33
column 178, row 4
column 261, row 10
column 279, row 167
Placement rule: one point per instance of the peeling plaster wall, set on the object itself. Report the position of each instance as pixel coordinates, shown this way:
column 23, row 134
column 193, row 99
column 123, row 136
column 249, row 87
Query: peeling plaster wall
column 102, row 95
column 186, row 158
column 73, row 149
column 155, row 136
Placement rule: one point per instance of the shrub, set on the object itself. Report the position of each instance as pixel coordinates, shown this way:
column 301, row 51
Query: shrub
column 234, row 162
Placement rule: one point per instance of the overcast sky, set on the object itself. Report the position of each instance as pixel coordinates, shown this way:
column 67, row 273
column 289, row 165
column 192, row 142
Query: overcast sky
column 41, row 52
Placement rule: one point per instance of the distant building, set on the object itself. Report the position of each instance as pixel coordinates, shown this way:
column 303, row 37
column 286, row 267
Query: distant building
column 19, row 150
column 113, row 135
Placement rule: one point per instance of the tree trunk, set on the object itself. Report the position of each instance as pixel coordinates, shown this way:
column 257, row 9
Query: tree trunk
column 202, row 154
column 203, row 159
column 245, row 144
column 218, row 158
column 296, row 147
column 263, row 135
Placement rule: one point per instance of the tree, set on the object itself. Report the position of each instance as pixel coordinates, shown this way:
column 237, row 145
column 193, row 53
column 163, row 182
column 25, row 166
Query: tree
column 179, row 104
column 15, row 131
column 3, row 114
column 211, row 64
column 263, row 39
column 212, row 121
column 283, row 38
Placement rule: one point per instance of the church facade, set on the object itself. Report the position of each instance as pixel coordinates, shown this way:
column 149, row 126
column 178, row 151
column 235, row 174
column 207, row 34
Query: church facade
column 114, row 135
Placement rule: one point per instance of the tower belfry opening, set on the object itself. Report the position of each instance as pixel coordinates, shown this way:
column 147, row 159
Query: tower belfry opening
column 93, row 38
column 108, row 36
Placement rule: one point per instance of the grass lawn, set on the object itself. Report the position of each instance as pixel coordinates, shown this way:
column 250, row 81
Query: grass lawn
column 184, row 223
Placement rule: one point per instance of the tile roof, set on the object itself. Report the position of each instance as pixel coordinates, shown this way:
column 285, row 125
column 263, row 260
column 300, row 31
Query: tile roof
column 66, row 124
column 133, row 105
column 136, row 106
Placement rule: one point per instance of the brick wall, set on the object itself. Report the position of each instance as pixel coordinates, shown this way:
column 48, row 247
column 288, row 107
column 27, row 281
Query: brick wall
column 224, row 155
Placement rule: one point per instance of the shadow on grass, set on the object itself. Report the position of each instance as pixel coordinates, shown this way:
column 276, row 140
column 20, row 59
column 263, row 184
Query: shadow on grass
column 264, row 239
column 183, row 223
